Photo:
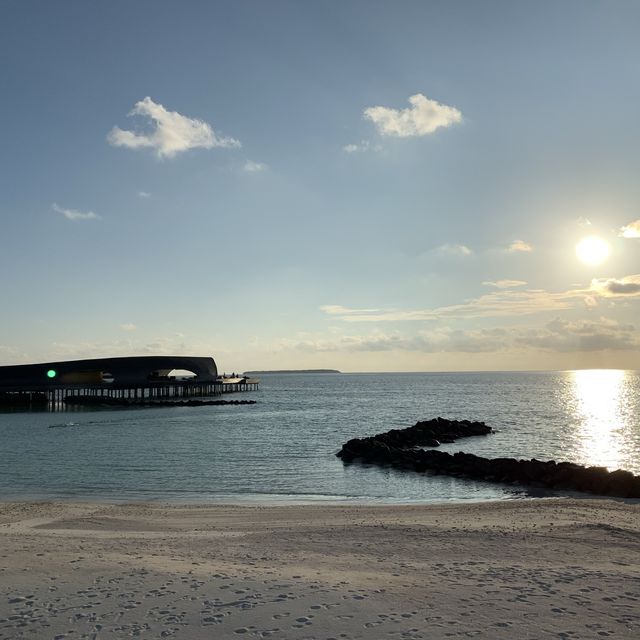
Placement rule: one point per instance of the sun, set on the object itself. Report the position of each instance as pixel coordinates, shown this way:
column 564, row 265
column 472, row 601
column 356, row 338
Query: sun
column 592, row 250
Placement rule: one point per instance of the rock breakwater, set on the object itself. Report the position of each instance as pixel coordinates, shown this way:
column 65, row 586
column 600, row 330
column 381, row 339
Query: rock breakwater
column 401, row 449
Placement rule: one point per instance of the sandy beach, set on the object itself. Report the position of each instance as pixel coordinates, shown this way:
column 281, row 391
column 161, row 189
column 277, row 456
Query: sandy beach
column 560, row 568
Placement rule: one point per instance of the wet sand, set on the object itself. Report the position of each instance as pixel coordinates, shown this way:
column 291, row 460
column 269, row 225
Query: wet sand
column 523, row 569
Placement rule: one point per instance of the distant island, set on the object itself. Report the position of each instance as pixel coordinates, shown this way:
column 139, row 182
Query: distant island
column 259, row 373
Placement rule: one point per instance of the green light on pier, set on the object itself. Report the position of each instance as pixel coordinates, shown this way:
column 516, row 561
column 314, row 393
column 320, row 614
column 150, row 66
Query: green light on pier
column 52, row 373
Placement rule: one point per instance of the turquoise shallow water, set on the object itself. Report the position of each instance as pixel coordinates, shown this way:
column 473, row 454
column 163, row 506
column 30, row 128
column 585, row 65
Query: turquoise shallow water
column 283, row 447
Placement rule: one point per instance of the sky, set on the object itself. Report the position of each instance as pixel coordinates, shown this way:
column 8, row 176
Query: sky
column 360, row 185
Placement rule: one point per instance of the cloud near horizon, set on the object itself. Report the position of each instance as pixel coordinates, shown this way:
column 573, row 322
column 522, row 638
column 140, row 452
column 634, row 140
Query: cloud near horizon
column 558, row 335
column 74, row 214
column 422, row 118
column 120, row 347
column 172, row 132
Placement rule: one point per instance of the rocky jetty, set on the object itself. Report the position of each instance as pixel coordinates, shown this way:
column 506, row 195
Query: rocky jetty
column 429, row 433
column 401, row 449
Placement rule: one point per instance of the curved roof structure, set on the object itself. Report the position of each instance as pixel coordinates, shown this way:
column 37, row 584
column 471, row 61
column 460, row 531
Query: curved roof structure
column 141, row 370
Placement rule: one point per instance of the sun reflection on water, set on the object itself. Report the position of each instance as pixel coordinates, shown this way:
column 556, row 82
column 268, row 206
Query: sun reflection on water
column 598, row 407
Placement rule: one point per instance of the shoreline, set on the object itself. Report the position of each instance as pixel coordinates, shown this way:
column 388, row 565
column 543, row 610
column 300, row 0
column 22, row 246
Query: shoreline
column 283, row 500
column 550, row 568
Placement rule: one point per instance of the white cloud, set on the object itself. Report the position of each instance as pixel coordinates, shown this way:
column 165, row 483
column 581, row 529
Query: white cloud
column 583, row 222
column 453, row 249
column 504, row 284
column 632, row 230
column 422, row 118
column 172, row 132
column 144, row 194
column 337, row 309
column 128, row 326
column 519, row 246
column 74, row 214
column 613, row 287
column 361, row 147
column 254, row 167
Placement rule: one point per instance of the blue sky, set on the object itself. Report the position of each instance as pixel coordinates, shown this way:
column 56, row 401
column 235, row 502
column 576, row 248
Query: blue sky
column 371, row 186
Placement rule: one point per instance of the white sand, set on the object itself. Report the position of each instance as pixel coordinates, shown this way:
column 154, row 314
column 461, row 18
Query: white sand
column 528, row 569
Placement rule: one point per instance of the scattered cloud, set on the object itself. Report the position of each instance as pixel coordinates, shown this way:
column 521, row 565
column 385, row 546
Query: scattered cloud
column 632, row 230
column 254, row 167
column 361, row 147
column 582, row 335
column 171, row 134
column 144, row 194
column 508, row 302
column 612, row 287
column 519, row 246
column 504, row 302
column 504, row 284
column 74, row 214
column 501, row 303
column 557, row 336
column 453, row 249
column 128, row 326
column 583, row 222
column 423, row 117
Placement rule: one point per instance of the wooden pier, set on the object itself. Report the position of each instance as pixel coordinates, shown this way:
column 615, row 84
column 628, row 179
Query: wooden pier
column 172, row 390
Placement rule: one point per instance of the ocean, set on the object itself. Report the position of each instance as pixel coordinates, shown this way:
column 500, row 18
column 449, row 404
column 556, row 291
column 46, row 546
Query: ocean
column 282, row 449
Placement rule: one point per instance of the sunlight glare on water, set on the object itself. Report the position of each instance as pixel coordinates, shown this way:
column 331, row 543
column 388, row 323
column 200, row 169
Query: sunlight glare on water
column 600, row 397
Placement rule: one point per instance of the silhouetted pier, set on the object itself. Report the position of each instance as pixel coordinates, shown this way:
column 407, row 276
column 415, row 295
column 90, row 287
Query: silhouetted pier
column 143, row 380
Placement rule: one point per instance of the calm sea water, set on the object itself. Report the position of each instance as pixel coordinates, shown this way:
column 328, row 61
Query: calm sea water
column 283, row 447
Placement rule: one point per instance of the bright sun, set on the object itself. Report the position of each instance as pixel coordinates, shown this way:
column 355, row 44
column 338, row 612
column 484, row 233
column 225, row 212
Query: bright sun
column 592, row 250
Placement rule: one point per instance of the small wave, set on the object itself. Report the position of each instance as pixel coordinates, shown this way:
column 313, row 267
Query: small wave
column 64, row 425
